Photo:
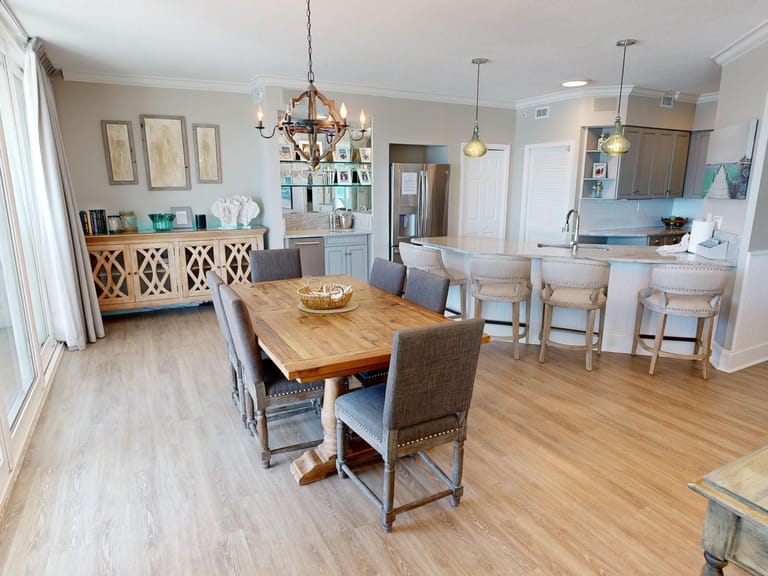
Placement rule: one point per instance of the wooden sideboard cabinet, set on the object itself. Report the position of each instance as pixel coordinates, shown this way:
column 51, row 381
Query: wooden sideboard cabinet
column 159, row 268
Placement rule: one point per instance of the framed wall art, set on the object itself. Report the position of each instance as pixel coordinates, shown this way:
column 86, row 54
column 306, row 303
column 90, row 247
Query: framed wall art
column 598, row 170
column 206, row 139
column 165, row 152
column 119, row 152
column 729, row 161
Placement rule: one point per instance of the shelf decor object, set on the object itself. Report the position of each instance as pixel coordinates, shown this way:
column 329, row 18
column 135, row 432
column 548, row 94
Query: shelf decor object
column 599, row 170
column 235, row 210
column 301, row 122
column 475, row 148
column 118, row 147
column 616, row 144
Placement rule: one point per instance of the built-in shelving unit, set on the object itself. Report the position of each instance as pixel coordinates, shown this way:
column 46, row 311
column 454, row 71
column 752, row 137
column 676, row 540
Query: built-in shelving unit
column 599, row 171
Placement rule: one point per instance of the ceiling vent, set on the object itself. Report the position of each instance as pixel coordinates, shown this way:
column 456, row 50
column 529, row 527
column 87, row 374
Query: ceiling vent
column 667, row 101
column 542, row 113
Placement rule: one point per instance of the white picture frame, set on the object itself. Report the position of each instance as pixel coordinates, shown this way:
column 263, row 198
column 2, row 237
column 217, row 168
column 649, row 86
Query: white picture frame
column 364, row 176
column 343, row 176
column 599, row 170
column 286, row 151
column 184, row 219
column 365, row 154
column 341, row 153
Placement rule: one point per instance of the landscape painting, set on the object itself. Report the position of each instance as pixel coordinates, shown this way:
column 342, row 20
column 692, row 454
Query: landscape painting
column 729, row 161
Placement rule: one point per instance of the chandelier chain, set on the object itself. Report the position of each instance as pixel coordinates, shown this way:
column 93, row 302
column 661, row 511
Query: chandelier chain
column 621, row 80
column 310, row 73
column 477, row 89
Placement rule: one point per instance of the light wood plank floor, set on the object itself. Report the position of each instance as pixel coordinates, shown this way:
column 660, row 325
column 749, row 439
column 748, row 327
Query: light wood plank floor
column 140, row 465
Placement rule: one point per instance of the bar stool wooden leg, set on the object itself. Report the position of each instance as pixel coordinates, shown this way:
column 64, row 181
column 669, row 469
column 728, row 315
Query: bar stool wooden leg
column 545, row 326
column 601, row 330
column 657, row 341
column 589, row 338
column 638, row 324
column 699, row 344
column 516, row 330
column 707, row 347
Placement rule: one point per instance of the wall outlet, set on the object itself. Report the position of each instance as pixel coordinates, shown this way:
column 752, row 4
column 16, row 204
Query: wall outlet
column 718, row 222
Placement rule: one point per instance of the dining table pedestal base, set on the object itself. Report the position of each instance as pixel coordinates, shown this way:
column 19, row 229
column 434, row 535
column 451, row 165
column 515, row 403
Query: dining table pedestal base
column 320, row 461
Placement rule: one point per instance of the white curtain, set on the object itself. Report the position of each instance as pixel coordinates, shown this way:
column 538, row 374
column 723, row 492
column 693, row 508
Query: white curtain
column 71, row 294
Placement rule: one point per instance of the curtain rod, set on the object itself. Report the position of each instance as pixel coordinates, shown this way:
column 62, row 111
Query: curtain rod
column 15, row 21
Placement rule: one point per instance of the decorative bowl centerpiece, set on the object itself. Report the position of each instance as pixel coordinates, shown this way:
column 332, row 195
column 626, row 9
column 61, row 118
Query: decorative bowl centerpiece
column 319, row 295
column 674, row 221
column 162, row 222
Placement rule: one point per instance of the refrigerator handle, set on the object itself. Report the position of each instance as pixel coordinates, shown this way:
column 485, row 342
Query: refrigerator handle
column 424, row 201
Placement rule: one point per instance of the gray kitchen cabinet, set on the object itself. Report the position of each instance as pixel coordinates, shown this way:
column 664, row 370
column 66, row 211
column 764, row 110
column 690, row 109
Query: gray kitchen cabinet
column 347, row 254
column 655, row 165
column 697, row 160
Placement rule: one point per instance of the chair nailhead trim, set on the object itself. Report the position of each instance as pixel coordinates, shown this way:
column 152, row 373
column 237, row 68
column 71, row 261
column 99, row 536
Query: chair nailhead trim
column 292, row 393
column 447, row 432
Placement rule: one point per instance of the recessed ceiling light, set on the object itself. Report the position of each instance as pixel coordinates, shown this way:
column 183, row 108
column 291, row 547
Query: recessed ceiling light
column 574, row 83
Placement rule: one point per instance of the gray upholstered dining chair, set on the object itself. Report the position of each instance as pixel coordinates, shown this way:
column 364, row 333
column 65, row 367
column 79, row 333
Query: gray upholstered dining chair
column 236, row 385
column 423, row 404
column 389, row 276
column 682, row 290
column 427, row 290
column 271, row 394
column 278, row 264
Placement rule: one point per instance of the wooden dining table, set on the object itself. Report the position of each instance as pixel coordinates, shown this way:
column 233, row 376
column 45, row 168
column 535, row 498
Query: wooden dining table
column 309, row 346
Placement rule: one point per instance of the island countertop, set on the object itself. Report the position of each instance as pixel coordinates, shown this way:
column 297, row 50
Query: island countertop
column 604, row 252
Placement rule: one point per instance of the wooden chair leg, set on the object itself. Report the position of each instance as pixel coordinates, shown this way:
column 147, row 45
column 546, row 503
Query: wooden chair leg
column 478, row 308
column 589, row 337
column 261, row 425
column 638, row 325
column 697, row 346
column 658, row 341
column 388, row 495
column 341, row 448
column 545, row 328
column 457, row 471
column 707, row 342
column 516, row 330
column 601, row 328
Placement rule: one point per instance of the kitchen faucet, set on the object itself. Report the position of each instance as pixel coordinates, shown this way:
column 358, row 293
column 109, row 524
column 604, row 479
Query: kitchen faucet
column 574, row 241
column 338, row 205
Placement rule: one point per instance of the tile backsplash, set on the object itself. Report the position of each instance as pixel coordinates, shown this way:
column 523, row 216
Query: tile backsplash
column 614, row 214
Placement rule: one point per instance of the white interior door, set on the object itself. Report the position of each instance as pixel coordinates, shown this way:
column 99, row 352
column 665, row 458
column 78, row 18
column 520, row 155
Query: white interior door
column 547, row 191
column 484, row 191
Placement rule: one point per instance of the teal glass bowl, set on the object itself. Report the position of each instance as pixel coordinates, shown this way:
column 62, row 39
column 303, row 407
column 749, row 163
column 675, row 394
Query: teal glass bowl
column 162, row 222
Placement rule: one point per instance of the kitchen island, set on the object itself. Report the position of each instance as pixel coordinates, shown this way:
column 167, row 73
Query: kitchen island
column 630, row 271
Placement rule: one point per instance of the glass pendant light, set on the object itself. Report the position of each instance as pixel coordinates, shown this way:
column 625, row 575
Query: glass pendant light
column 616, row 144
column 475, row 147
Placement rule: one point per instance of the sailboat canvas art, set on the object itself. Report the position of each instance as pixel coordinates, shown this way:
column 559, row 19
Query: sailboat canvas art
column 729, row 161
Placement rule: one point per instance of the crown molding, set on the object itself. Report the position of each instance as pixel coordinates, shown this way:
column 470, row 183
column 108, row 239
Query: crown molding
column 741, row 46
column 346, row 88
column 708, row 97
column 156, row 82
column 565, row 95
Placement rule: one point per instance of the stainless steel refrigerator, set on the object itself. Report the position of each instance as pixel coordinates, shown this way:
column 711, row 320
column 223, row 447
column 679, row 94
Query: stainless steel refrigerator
column 418, row 203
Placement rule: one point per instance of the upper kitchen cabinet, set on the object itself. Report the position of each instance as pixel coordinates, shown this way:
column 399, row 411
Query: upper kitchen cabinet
column 697, row 160
column 655, row 165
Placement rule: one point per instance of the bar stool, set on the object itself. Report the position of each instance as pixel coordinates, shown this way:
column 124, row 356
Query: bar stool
column 431, row 260
column 678, row 290
column 503, row 279
column 579, row 284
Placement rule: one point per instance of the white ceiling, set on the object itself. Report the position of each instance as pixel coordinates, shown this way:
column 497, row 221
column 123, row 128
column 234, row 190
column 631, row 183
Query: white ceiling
column 416, row 48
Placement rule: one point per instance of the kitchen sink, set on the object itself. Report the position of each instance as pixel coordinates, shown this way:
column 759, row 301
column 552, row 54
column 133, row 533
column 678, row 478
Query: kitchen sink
column 578, row 246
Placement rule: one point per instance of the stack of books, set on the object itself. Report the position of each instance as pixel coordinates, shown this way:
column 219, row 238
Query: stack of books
column 94, row 222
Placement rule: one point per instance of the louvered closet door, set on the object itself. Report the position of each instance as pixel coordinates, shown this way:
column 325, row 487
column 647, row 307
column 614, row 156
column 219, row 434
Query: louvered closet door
column 547, row 187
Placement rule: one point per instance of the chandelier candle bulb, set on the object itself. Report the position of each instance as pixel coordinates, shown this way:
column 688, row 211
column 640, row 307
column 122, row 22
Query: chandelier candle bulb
column 343, row 111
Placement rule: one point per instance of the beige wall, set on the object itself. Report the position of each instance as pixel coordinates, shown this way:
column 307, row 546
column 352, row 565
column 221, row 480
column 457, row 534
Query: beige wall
column 250, row 163
column 81, row 108
column 644, row 111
